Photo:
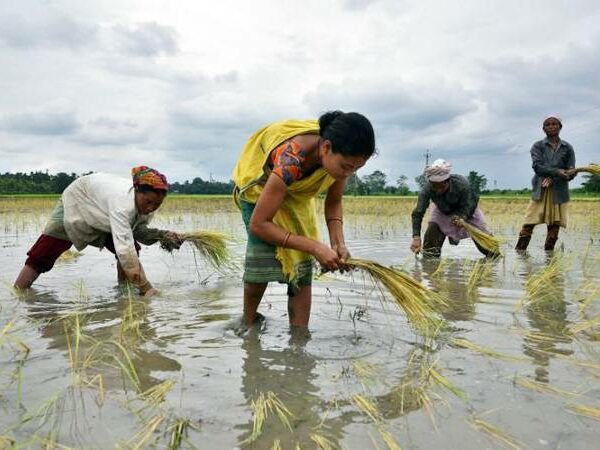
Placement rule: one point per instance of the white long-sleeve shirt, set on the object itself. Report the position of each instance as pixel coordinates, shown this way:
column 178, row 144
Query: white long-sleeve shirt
column 102, row 203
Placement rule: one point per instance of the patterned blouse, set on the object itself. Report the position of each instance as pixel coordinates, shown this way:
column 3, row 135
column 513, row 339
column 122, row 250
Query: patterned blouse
column 287, row 162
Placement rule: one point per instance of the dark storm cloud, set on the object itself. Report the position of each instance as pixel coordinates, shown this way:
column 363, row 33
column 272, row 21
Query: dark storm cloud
column 395, row 105
column 41, row 26
column 42, row 122
column 146, row 39
column 525, row 88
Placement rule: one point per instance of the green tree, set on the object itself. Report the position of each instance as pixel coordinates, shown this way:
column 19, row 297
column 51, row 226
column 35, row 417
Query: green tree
column 591, row 183
column 477, row 182
column 402, row 185
column 421, row 180
column 375, row 182
column 354, row 186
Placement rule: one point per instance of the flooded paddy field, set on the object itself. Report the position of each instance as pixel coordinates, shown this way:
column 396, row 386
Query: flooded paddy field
column 515, row 364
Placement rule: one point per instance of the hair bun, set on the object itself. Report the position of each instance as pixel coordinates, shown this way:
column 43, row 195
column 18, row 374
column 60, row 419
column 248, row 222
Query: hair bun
column 327, row 119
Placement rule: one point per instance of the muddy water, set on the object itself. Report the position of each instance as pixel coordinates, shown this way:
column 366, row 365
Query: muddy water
column 93, row 350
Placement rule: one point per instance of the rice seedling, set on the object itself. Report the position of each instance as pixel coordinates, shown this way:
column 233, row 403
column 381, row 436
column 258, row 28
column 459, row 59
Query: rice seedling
column 212, row 246
column 143, row 436
column 464, row 343
column 538, row 285
column 389, row 440
column 543, row 388
column 486, row 241
column 322, row 442
column 265, row 404
column 156, row 394
column 443, row 381
column 594, row 169
column 585, row 325
column 366, row 372
column 276, row 445
column 586, row 410
column 417, row 302
column 178, row 432
column 365, row 405
column 480, row 270
column 495, row 433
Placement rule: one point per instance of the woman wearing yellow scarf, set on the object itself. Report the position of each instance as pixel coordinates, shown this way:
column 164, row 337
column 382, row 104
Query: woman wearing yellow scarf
column 281, row 170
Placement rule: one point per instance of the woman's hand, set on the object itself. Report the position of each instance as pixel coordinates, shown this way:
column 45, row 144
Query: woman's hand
column 416, row 245
column 547, row 182
column 343, row 254
column 563, row 173
column 457, row 221
column 327, row 257
column 174, row 239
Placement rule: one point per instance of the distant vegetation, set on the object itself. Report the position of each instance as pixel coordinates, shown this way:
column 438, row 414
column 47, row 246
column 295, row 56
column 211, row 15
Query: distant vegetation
column 375, row 183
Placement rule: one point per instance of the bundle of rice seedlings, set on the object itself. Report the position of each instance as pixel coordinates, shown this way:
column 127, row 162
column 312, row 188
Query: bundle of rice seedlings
column 417, row 302
column 594, row 169
column 212, row 245
column 178, row 431
column 485, row 241
column 145, row 434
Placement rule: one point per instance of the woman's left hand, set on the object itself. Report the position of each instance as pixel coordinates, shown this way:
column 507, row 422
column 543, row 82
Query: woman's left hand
column 174, row 239
column 343, row 254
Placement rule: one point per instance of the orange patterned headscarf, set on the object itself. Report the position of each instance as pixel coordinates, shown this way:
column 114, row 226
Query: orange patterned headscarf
column 148, row 176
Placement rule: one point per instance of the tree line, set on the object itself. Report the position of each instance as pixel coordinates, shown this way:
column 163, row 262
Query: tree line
column 375, row 183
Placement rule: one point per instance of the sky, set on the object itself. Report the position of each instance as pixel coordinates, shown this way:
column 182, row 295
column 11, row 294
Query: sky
column 180, row 85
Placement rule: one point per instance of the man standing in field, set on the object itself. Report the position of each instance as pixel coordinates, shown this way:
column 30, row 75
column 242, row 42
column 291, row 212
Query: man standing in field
column 454, row 201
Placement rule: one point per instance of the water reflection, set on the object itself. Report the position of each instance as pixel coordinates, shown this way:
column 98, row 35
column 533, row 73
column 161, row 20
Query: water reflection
column 290, row 374
column 120, row 323
column 546, row 311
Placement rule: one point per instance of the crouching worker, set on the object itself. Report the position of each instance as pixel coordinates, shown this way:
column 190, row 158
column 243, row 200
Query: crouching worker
column 454, row 201
column 103, row 211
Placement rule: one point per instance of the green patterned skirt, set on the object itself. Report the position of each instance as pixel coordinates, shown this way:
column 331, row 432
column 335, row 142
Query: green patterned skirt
column 261, row 265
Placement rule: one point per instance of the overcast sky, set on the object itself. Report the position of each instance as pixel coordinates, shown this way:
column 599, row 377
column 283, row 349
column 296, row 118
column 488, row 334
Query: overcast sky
column 180, row 85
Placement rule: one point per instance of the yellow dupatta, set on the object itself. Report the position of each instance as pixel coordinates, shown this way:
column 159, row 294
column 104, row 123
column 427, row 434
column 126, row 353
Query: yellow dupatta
column 297, row 212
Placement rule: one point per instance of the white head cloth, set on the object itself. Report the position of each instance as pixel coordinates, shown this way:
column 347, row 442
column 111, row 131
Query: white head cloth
column 438, row 171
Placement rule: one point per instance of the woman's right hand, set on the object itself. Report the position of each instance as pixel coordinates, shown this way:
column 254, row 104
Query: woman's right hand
column 416, row 245
column 546, row 182
column 328, row 258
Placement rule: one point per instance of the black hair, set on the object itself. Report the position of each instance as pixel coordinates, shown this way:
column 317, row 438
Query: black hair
column 350, row 134
column 142, row 188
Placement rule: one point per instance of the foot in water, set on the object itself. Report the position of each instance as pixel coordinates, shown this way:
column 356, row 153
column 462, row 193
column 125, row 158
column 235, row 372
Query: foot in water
column 259, row 325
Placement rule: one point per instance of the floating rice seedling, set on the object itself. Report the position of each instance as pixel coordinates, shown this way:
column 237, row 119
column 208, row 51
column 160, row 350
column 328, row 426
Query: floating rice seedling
column 486, row 241
column 416, row 301
column 594, row 169
column 389, row 440
column 443, row 381
column 156, row 394
column 543, row 388
column 212, row 246
column 178, row 432
column 496, row 433
column 586, row 325
column 587, row 411
column 143, row 436
column 480, row 270
column 265, row 404
column 464, row 343
column 322, row 442
column 367, row 407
